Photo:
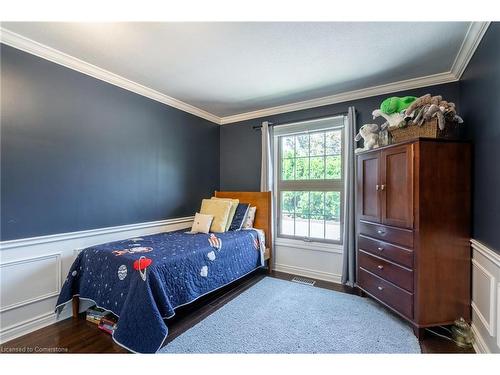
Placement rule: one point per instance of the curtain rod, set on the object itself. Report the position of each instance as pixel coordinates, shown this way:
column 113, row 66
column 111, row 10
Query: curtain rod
column 302, row 120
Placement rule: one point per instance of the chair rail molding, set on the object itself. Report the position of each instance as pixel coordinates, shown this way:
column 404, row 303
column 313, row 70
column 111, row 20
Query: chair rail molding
column 23, row 242
column 485, row 302
column 32, row 271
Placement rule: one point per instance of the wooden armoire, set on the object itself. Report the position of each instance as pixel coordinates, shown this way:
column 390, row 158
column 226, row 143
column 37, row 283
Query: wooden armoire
column 413, row 230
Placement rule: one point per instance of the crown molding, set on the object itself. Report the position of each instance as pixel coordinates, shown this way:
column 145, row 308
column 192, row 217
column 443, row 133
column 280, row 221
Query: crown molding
column 469, row 45
column 408, row 84
column 48, row 53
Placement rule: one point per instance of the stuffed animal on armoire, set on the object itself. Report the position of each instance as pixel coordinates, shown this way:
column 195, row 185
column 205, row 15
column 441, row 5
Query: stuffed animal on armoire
column 369, row 133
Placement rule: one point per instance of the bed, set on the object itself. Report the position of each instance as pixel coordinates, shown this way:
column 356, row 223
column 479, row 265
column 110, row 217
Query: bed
column 144, row 280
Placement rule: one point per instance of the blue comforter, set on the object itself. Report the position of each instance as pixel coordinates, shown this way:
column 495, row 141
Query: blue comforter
column 143, row 280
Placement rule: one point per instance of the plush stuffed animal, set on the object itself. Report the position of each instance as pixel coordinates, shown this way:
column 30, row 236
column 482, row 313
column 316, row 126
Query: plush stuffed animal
column 428, row 106
column 394, row 119
column 369, row 133
column 392, row 109
column 395, row 104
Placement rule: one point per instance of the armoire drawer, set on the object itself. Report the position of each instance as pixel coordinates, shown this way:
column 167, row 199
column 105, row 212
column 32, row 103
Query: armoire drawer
column 386, row 250
column 400, row 276
column 403, row 237
column 394, row 297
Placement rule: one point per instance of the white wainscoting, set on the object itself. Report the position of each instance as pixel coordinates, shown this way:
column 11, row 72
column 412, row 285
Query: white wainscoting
column 309, row 259
column 32, row 271
column 485, row 298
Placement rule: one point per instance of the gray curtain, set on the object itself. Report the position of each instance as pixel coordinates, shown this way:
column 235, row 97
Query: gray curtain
column 266, row 170
column 349, row 235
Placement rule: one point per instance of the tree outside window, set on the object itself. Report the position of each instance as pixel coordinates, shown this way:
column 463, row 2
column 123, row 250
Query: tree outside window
column 310, row 184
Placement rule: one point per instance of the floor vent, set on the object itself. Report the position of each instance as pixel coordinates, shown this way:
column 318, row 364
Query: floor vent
column 303, row 280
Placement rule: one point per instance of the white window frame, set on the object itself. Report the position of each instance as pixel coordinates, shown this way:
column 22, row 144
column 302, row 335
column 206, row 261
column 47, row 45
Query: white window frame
column 312, row 126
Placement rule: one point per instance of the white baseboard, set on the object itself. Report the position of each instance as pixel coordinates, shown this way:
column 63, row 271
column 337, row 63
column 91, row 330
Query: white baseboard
column 479, row 345
column 25, row 305
column 485, row 298
column 27, row 326
column 319, row 275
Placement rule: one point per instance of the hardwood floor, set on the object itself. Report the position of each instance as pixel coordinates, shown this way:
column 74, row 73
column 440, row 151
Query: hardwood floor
column 80, row 336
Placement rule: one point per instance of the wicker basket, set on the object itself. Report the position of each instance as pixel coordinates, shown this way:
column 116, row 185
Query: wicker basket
column 429, row 129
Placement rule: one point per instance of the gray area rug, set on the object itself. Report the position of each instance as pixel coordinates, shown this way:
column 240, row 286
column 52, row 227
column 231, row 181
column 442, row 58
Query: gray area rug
column 277, row 316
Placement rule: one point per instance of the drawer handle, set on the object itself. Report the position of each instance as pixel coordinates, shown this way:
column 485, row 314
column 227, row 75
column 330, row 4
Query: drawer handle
column 380, row 248
column 381, row 232
column 380, row 267
column 380, row 288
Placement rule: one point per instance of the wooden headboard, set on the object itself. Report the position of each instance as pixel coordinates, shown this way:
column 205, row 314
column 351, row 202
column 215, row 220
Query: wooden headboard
column 261, row 200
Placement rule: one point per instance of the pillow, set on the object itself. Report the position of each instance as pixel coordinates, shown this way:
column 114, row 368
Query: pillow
column 239, row 216
column 234, row 205
column 250, row 218
column 201, row 223
column 219, row 209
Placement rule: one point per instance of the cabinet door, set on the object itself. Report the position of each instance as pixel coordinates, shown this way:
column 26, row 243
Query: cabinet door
column 396, row 186
column 368, row 187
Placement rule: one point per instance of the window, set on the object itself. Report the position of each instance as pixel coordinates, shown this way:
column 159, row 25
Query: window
column 310, row 179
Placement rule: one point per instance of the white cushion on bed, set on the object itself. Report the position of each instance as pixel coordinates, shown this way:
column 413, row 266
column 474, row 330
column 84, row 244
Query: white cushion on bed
column 250, row 218
column 201, row 223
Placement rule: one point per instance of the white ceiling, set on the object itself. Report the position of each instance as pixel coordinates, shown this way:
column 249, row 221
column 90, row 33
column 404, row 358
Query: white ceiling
column 228, row 69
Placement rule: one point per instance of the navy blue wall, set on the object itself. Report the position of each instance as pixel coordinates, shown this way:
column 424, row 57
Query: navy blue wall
column 480, row 98
column 240, row 144
column 78, row 153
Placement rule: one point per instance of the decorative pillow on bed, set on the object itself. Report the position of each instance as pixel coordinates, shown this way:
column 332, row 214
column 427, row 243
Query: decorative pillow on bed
column 250, row 218
column 234, row 205
column 219, row 209
column 201, row 223
column 239, row 216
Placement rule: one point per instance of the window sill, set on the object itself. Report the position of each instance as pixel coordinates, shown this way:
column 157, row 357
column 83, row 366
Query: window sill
column 313, row 246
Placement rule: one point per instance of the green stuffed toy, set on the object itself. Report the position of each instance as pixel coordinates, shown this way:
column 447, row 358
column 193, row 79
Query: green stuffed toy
column 396, row 104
